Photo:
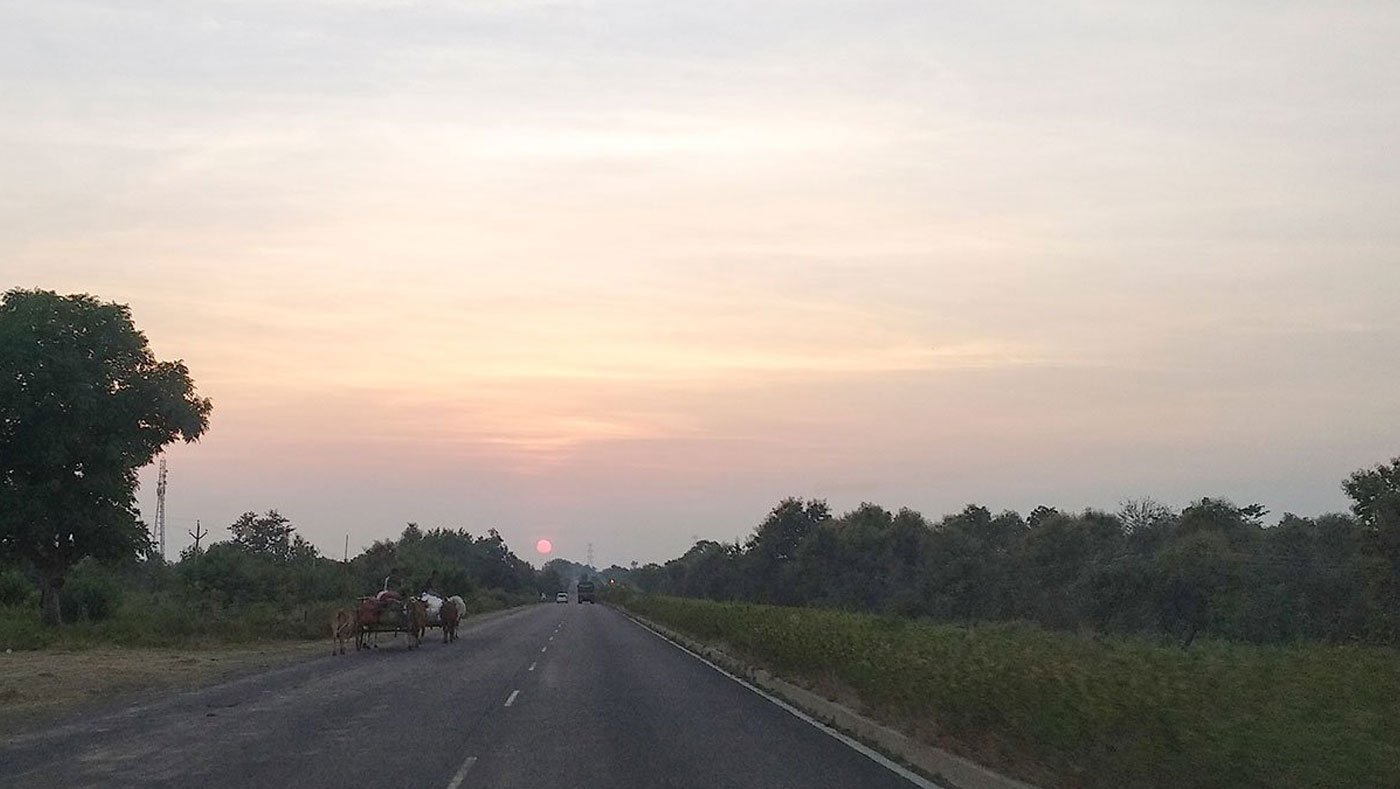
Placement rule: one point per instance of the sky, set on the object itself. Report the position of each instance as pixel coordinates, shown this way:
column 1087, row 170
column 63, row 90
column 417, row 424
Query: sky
column 629, row 273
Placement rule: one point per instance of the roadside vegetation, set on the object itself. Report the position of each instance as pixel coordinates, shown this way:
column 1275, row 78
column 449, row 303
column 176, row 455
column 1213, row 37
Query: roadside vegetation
column 1061, row 709
column 1211, row 570
column 263, row 583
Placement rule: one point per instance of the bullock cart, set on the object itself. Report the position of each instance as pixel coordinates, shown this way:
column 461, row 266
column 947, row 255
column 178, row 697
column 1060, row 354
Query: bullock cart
column 388, row 612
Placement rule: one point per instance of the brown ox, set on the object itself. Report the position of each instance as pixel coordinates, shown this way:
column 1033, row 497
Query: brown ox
column 366, row 617
column 417, row 622
column 343, row 628
column 449, row 616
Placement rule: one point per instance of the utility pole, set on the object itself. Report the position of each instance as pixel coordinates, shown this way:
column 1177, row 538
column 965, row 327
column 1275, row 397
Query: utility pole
column 198, row 534
column 346, row 560
column 160, row 508
column 590, row 554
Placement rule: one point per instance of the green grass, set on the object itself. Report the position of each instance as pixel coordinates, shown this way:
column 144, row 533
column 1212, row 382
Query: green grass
column 157, row 620
column 1073, row 710
column 151, row 621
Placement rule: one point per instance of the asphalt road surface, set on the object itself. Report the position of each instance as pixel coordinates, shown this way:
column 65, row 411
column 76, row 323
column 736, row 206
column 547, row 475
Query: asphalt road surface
column 547, row 696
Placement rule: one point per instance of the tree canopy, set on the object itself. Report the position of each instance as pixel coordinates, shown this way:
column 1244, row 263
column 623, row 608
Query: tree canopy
column 84, row 403
column 1212, row 569
column 270, row 535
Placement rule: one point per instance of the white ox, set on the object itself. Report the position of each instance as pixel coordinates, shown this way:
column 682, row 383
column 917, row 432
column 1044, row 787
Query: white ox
column 434, row 605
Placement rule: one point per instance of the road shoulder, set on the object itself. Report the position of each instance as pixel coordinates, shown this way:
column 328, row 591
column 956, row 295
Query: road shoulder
column 946, row 768
column 44, row 688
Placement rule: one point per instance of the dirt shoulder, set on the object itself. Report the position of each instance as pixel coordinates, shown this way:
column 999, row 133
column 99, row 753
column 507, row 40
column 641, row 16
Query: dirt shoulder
column 42, row 687
column 38, row 688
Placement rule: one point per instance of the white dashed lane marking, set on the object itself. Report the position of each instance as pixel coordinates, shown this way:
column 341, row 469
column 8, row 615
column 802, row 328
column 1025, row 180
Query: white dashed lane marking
column 461, row 773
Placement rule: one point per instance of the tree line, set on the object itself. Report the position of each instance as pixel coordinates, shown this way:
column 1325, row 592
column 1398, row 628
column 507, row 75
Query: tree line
column 1211, row 569
column 264, row 559
column 265, row 564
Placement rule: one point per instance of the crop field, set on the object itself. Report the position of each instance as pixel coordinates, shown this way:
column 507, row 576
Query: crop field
column 1068, row 710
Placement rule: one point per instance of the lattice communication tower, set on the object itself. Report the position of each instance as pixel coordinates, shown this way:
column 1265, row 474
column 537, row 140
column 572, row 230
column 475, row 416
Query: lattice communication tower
column 160, row 509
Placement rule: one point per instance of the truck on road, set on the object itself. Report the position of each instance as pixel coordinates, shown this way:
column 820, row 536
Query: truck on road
column 586, row 592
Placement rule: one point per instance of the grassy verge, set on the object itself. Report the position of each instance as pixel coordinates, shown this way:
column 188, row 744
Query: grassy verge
column 163, row 621
column 149, row 621
column 1066, row 710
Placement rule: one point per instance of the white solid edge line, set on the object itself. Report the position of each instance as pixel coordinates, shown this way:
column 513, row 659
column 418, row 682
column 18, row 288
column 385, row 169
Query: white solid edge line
column 461, row 773
column 856, row 745
column 511, row 700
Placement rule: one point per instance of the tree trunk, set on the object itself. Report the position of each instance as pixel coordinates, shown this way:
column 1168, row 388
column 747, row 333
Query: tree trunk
column 48, row 594
column 1190, row 634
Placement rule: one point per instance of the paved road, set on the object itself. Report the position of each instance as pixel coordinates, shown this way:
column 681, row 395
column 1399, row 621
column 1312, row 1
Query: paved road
column 547, row 696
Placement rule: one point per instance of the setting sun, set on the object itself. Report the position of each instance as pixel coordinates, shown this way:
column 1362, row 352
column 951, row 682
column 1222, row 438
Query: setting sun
column 543, row 547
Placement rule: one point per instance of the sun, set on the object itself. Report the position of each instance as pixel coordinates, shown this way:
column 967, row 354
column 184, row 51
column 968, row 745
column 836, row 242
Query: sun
column 544, row 547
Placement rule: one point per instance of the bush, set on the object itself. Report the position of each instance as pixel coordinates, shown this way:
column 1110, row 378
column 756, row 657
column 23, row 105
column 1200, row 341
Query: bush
column 90, row 593
column 16, row 589
column 20, row 628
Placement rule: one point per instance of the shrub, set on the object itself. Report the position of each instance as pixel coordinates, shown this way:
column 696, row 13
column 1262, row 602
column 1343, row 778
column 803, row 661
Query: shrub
column 15, row 588
column 90, row 593
column 21, row 629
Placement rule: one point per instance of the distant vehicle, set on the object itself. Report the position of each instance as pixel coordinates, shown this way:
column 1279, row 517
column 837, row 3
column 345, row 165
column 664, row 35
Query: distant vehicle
column 562, row 597
column 585, row 592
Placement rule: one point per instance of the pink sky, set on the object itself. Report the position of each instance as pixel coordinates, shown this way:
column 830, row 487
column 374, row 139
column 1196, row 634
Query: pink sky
column 629, row 273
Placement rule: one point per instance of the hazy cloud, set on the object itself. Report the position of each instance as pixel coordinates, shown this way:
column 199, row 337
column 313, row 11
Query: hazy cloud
column 624, row 272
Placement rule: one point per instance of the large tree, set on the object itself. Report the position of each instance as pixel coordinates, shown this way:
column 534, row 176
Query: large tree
column 1375, row 495
column 772, row 549
column 83, row 405
column 270, row 536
